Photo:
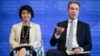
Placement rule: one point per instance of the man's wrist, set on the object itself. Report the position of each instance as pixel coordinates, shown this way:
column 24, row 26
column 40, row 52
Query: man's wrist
column 57, row 36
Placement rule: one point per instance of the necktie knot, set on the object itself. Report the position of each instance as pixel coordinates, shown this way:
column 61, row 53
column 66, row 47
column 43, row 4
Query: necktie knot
column 71, row 22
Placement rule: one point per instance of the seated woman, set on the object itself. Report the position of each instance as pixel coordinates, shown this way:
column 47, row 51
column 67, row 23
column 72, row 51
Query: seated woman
column 25, row 33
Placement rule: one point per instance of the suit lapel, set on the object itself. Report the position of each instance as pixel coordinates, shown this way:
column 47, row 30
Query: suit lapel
column 78, row 32
column 19, row 30
column 78, row 28
column 65, row 24
column 32, row 32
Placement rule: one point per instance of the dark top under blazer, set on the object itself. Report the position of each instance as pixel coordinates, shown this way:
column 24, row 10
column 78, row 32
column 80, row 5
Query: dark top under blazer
column 83, row 36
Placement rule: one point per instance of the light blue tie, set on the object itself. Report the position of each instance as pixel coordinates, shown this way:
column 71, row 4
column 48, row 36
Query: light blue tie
column 70, row 37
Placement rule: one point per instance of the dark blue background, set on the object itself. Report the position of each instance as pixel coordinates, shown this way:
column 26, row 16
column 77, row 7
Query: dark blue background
column 47, row 14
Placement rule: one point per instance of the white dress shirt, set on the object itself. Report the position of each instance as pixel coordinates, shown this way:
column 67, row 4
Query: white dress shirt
column 74, row 43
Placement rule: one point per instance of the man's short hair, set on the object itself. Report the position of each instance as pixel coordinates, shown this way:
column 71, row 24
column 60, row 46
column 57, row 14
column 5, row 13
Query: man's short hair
column 73, row 2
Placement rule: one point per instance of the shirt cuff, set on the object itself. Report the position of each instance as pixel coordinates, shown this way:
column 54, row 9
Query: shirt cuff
column 57, row 36
column 70, row 52
column 81, row 49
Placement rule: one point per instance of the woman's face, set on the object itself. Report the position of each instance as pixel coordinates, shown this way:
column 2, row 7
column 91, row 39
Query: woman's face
column 26, row 15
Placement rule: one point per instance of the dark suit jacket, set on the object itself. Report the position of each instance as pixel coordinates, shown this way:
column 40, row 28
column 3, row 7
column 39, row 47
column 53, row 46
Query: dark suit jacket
column 83, row 36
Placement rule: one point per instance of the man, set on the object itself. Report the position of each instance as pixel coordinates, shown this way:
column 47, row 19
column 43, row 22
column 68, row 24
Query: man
column 72, row 37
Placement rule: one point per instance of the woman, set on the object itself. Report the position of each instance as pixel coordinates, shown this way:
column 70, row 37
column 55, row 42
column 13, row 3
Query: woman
column 25, row 33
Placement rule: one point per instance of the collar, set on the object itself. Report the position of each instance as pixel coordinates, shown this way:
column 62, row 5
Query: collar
column 75, row 20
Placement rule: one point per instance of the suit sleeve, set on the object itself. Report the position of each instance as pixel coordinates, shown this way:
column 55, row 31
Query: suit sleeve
column 54, row 40
column 88, row 43
column 12, row 40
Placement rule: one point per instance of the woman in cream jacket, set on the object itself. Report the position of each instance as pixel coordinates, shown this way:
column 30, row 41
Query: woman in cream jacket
column 25, row 33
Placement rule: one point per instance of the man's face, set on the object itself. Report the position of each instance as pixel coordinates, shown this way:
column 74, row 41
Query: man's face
column 73, row 11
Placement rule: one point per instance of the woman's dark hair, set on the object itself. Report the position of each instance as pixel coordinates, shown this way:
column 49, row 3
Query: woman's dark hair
column 28, row 8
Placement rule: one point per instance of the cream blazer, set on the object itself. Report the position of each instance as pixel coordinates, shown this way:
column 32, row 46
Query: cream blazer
column 34, row 39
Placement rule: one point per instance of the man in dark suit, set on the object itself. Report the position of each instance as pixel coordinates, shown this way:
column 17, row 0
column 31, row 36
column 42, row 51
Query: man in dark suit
column 72, row 37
